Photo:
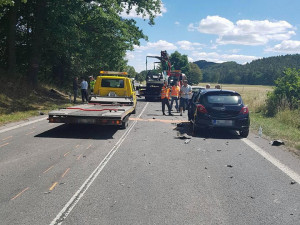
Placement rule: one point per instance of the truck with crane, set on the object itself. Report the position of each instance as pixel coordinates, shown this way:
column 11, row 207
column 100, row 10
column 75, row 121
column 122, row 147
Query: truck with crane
column 155, row 80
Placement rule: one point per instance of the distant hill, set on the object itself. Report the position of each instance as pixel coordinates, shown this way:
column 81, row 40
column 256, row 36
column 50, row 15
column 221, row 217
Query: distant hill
column 204, row 64
column 261, row 71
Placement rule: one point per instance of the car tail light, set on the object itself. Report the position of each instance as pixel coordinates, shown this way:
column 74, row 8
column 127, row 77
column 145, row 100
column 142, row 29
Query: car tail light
column 201, row 109
column 244, row 110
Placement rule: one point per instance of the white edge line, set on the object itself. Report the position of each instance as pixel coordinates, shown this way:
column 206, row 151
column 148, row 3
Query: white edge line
column 22, row 125
column 62, row 215
column 292, row 174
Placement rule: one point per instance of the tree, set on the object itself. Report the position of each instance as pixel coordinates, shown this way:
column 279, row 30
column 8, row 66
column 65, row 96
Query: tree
column 141, row 76
column 194, row 76
column 131, row 71
column 288, row 87
column 180, row 62
column 55, row 40
column 286, row 94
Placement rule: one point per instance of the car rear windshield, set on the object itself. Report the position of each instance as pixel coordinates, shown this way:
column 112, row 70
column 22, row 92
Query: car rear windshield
column 113, row 83
column 224, row 98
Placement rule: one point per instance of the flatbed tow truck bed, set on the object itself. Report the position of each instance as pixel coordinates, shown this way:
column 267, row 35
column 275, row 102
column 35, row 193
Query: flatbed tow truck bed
column 102, row 111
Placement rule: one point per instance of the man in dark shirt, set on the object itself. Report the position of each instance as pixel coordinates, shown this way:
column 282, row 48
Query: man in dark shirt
column 75, row 88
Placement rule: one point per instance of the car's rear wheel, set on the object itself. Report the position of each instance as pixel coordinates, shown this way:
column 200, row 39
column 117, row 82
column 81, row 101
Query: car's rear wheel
column 244, row 132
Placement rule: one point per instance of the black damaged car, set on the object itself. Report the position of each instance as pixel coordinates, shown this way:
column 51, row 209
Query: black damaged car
column 215, row 108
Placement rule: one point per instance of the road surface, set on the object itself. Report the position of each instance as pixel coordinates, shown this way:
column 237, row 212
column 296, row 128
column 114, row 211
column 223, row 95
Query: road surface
column 154, row 172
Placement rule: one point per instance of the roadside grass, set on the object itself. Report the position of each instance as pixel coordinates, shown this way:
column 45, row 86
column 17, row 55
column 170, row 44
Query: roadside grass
column 19, row 102
column 284, row 126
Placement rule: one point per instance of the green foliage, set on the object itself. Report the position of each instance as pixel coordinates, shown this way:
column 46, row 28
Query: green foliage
column 141, row 76
column 194, row 76
column 73, row 37
column 259, row 72
column 131, row 71
column 286, row 94
column 180, row 62
column 288, row 87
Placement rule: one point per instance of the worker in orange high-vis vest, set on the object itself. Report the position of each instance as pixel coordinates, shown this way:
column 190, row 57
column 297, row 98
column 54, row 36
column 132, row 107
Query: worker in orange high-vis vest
column 165, row 95
column 175, row 95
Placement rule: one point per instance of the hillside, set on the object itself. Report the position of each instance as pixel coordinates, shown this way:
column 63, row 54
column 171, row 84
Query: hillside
column 18, row 101
column 262, row 71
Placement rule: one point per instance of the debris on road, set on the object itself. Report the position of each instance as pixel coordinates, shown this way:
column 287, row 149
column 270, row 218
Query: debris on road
column 277, row 143
column 184, row 137
column 218, row 150
column 260, row 131
column 187, row 141
column 229, row 166
column 293, row 182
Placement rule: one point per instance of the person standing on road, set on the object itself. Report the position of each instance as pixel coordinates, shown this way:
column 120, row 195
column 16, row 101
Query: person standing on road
column 75, row 88
column 92, row 84
column 84, row 87
column 175, row 95
column 185, row 92
column 165, row 95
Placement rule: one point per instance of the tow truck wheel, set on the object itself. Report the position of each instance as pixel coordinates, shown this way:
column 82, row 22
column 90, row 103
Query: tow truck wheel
column 124, row 124
column 134, row 111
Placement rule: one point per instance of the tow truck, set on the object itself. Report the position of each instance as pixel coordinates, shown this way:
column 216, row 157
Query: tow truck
column 112, row 102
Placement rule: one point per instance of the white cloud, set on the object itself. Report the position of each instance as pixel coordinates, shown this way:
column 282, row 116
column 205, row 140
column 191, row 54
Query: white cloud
column 234, row 51
column 219, row 58
column 159, row 45
column 190, row 59
column 133, row 14
column 129, row 55
column 187, row 45
column 177, row 23
column 244, row 32
column 213, row 25
column 286, row 46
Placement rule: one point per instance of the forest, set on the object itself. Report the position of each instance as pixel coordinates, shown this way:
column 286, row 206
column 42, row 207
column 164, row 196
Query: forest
column 259, row 72
column 51, row 41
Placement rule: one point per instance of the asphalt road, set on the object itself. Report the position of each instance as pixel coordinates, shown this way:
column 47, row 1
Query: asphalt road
column 146, row 174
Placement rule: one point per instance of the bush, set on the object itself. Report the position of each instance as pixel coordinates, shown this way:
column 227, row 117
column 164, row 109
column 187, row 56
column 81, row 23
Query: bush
column 286, row 94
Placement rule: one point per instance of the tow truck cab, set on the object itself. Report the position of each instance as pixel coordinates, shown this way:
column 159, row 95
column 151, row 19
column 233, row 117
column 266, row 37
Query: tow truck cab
column 108, row 85
column 115, row 86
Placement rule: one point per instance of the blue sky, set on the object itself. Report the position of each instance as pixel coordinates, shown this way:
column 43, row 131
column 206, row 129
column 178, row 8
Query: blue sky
column 220, row 30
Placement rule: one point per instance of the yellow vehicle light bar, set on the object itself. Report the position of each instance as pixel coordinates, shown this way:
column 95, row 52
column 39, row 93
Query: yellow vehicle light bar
column 113, row 73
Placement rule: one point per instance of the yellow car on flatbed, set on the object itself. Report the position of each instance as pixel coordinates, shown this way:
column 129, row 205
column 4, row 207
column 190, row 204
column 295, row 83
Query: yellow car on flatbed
column 111, row 103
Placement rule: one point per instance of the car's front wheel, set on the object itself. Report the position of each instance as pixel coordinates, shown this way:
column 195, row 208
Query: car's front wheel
column 244, row 132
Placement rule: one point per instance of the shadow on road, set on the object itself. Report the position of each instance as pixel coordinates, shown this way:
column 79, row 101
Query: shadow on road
column 80, row 131
column 186, row 128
